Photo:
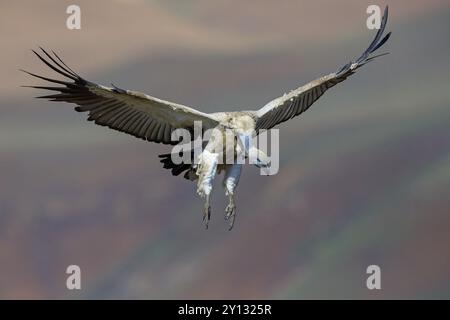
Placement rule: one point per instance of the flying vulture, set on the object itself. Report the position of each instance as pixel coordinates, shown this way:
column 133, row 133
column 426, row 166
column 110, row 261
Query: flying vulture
column 155, row 120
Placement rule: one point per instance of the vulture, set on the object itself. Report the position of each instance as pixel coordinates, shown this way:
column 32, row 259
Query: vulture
column 156, row 120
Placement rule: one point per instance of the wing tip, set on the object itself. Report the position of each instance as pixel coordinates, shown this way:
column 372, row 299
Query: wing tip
column 59, row 67
column 373, row 46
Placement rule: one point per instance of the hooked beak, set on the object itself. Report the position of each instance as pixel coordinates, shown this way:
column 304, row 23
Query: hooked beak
column 259, row 158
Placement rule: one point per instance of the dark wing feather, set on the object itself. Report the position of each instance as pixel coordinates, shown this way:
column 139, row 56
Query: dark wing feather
column 299, row 100
column 127, row 111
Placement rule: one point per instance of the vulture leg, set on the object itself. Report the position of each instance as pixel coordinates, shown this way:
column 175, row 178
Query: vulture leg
column 206, row 171
column 231, row 180
column 230, row 211
column 207, row 210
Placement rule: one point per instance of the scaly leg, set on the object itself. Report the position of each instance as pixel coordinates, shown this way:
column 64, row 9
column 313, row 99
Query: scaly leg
column 207, row 210
column 230, row 210
column 233, row 172
column 206, row 172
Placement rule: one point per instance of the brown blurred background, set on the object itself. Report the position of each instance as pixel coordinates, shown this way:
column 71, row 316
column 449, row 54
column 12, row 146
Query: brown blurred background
column 364, row 174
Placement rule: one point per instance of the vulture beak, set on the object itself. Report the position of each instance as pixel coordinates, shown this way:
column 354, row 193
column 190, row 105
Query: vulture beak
column 258, row 158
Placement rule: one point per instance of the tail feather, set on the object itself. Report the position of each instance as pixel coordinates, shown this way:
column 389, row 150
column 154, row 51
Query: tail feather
column 177, row 169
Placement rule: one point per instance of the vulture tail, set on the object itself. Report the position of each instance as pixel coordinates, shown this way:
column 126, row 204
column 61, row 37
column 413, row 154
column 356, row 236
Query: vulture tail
column 177, row 169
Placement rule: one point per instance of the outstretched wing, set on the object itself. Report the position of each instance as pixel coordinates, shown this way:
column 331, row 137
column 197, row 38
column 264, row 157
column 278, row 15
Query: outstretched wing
column 299, row 100
column 127, row 111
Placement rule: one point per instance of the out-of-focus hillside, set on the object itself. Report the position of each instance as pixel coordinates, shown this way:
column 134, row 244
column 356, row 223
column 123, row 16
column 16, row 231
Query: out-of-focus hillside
column 364, row 174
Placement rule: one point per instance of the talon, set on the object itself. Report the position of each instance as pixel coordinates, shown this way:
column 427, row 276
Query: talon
column 206, row 215
column 231, row 214
column 229, row 211
column 233, row 217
